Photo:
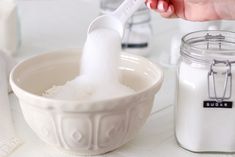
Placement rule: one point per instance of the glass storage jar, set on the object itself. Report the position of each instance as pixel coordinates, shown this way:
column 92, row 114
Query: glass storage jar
column 138, row 30
column 205, row 111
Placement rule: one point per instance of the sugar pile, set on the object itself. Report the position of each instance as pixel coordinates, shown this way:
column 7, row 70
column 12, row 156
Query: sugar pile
column 99, row 76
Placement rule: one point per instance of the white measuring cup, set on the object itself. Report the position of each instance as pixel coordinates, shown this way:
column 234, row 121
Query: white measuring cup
column 117, row 19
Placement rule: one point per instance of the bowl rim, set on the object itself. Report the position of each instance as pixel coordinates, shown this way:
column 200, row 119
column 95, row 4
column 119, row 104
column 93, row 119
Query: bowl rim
column 16, row 89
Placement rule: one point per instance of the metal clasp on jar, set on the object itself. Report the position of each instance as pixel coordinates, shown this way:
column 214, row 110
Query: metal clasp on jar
column 227, row 87
column 219, row 38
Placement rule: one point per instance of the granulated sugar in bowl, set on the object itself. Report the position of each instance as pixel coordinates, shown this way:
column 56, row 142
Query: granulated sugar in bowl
column 84, row 127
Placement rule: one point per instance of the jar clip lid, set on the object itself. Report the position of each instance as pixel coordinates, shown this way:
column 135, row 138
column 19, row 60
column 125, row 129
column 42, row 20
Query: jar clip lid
column 227, row 84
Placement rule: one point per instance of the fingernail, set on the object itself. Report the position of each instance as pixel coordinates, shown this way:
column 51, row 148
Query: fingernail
column 170, row 9
column 149, row 5
column 162, row 6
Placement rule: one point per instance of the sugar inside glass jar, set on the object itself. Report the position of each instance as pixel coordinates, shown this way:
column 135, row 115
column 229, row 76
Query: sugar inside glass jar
column 205, row 111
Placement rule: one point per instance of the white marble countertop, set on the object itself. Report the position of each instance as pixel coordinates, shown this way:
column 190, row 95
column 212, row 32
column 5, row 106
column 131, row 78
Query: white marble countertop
column 57, row 24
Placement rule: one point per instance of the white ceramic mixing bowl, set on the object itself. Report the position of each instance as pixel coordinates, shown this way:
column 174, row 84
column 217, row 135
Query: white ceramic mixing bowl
column 84, row 128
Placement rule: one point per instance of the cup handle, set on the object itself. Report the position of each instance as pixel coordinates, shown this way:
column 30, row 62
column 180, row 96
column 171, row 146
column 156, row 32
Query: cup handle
column 126, row 9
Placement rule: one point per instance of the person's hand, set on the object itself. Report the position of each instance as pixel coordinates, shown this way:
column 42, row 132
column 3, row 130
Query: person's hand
column 194, row 10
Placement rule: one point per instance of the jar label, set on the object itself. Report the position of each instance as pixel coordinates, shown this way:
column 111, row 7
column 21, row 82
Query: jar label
column 215, row 104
